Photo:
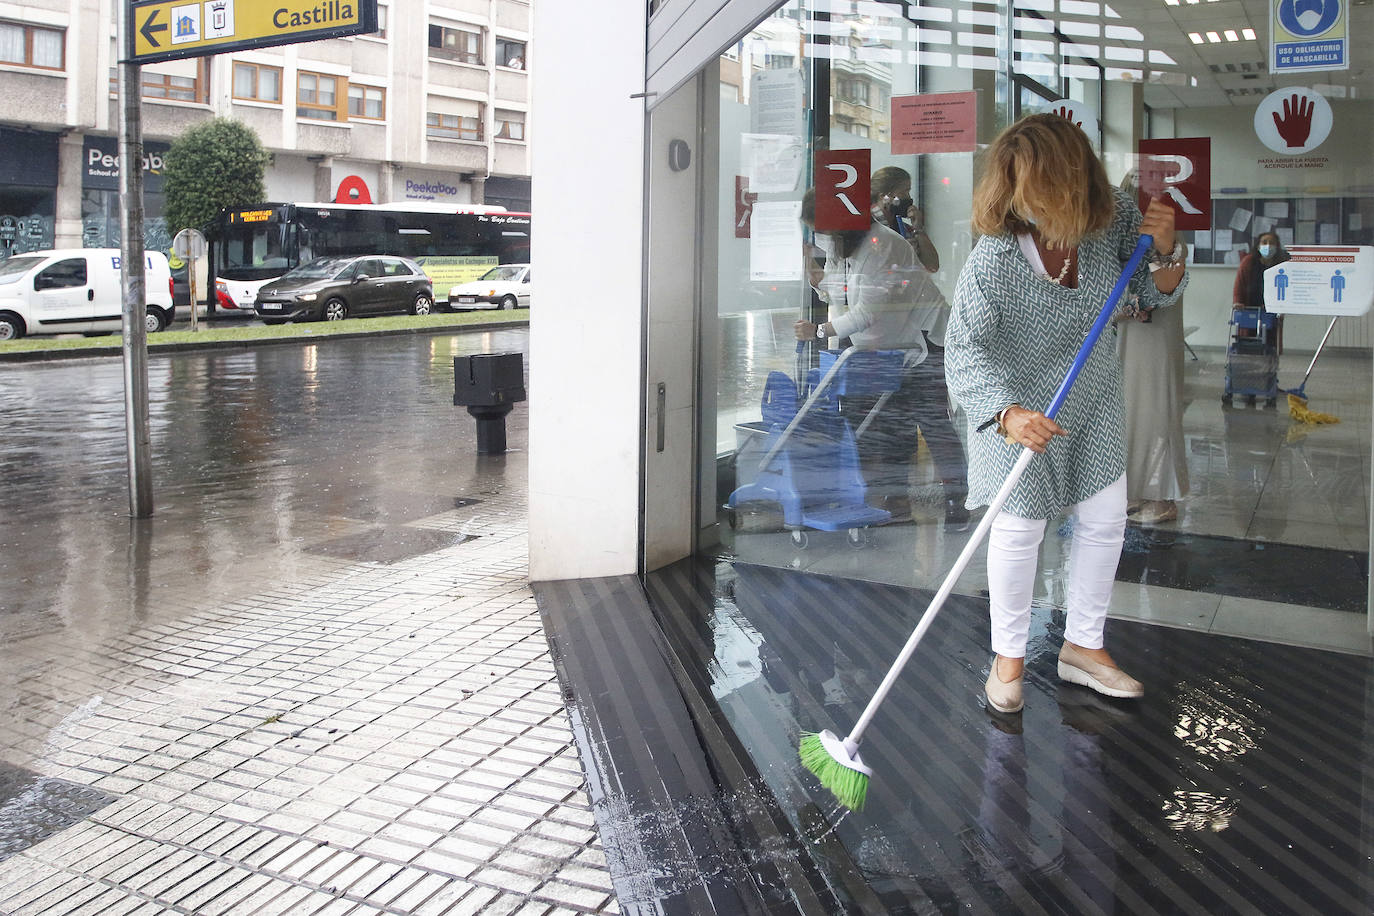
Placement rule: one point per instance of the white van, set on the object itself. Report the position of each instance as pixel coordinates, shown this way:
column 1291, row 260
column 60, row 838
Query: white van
column 76, row 290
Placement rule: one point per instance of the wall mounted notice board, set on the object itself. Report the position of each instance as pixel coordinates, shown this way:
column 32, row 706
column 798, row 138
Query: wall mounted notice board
column 1238, row 221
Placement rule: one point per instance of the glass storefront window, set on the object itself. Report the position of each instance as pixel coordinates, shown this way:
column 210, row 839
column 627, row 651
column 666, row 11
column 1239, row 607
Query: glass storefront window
column 100, row 220
column 26, row 219
column 920, row 89
column 841, row 492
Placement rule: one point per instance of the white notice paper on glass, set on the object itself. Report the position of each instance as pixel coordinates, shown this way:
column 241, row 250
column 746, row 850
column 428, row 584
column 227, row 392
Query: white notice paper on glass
column 776, row 102
column 1202, row 238
column 772, row 162
column 1240, row 219
column 1307, row 208
column 1263, row 224
column 1285, row 237
column 1355, row 222
column 1307, row 232
column 775, row 240
column 1222, row 240
column 1276, row 209
column 1329, row 234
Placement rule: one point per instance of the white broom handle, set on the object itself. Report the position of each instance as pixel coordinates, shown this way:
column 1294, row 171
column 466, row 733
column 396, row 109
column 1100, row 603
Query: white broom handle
column 1329, row 328
column 851, row 744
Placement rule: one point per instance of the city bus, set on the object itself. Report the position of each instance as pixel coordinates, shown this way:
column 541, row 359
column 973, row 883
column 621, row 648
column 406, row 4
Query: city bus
column 453, row 243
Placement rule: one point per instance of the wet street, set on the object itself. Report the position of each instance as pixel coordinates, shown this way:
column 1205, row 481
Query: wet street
column 259, row 457
column 314, row 682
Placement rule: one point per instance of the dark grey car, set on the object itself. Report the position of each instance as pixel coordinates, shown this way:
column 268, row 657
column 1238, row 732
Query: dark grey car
column 331, row 289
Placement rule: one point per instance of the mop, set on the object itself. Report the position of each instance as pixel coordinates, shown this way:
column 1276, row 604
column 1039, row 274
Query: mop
column 1297, row 397
column 835, row 761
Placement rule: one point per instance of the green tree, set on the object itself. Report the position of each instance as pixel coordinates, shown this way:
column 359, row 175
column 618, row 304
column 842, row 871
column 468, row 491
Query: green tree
column 213, row 165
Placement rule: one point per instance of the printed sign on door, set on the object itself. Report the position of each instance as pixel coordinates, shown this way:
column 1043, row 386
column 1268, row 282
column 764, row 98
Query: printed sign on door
column 1178, row 170
column 1321, row 280
column 842, row 190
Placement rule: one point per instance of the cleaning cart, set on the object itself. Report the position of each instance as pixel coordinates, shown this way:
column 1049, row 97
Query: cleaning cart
column 809, row 462
column 1252, row 357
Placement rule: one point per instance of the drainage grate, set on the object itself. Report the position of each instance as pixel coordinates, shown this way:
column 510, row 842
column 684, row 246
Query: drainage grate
column 33, row 807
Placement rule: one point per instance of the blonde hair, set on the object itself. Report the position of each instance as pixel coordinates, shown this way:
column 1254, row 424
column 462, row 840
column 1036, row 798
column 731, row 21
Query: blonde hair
column 1043, row 167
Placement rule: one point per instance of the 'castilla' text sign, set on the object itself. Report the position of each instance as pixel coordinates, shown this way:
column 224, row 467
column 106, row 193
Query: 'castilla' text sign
column 173, row 29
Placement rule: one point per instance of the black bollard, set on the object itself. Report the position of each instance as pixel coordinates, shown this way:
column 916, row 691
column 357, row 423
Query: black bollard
column 489, row 385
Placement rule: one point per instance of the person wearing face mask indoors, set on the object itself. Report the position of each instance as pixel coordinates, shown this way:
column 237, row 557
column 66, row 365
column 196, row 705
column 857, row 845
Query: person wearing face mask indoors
column 1248, row 290
column 893, row 206
column 881, row 299
column 1055, row 235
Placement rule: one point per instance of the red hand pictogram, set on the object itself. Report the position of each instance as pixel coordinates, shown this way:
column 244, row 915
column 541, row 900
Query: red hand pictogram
column 1296, row 124
column 1066, row 114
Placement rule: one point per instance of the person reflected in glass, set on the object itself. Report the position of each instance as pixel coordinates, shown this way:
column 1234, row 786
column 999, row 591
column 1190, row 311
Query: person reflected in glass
column 1150, row 345
column 1055, row 236
column 893, row 206
column 880, row 298
column 1247, row 292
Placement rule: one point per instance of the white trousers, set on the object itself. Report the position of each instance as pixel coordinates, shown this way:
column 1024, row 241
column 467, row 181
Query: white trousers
column 1013, row 552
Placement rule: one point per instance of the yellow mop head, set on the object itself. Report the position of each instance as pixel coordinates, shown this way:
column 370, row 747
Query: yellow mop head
column 1298, row 410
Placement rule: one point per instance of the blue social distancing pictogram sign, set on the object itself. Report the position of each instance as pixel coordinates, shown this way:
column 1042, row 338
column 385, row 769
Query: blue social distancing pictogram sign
column 1322, row 280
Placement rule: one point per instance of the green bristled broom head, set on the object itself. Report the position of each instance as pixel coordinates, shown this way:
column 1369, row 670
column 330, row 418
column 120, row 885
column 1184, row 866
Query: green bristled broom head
column 843, row 773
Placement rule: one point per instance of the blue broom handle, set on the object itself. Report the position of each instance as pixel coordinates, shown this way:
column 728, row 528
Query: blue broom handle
column 1103, row 317
column 851, row 742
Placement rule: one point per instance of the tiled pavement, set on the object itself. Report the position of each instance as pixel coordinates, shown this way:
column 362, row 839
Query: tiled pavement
column 381, row 738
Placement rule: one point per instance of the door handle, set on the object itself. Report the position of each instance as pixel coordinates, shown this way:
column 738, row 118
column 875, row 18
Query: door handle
column 90, row 295
column 662, row 420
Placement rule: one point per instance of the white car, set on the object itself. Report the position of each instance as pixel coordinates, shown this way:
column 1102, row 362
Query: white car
column 504, row 287
column 77, row 290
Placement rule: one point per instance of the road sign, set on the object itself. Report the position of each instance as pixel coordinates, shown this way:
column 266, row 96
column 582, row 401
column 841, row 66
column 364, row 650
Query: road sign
column 173, row 29
column 189, row 244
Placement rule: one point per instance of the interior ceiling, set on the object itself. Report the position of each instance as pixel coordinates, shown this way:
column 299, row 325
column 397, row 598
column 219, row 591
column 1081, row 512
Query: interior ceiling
column 1203, row 75
column 1234, row 72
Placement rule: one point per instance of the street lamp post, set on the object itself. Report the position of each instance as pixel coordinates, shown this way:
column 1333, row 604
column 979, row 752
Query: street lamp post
column 133, row 279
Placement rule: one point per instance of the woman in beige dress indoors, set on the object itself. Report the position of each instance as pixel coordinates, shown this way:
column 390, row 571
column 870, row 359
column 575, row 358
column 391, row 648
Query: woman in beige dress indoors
column 1150, row 343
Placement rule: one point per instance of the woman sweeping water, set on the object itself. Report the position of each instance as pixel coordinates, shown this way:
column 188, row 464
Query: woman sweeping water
column 1055, row 237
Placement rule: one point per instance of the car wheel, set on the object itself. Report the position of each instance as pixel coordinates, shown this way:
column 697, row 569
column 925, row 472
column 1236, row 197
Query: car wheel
column 335, row 310
column 508, row 303
column 153, row 321
column 423, row 305
column 11, row 327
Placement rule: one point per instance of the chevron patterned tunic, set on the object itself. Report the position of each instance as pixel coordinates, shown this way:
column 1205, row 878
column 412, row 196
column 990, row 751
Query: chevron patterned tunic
column 1011, row 340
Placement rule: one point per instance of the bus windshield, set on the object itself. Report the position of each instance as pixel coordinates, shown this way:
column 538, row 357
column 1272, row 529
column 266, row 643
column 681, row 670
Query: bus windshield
column 254, row 251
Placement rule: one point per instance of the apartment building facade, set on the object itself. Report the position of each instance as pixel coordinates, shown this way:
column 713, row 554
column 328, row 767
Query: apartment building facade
column 432, row 107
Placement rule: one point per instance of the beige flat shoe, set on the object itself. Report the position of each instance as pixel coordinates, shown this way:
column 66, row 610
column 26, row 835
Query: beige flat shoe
column 1077, row 668
column 1003, row 696
column 1156, row 512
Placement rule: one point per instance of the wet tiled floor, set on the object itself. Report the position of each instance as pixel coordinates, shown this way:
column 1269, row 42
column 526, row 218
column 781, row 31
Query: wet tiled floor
column 1240, row 783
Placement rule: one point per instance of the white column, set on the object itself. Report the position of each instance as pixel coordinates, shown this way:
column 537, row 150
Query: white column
column 586, row 332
